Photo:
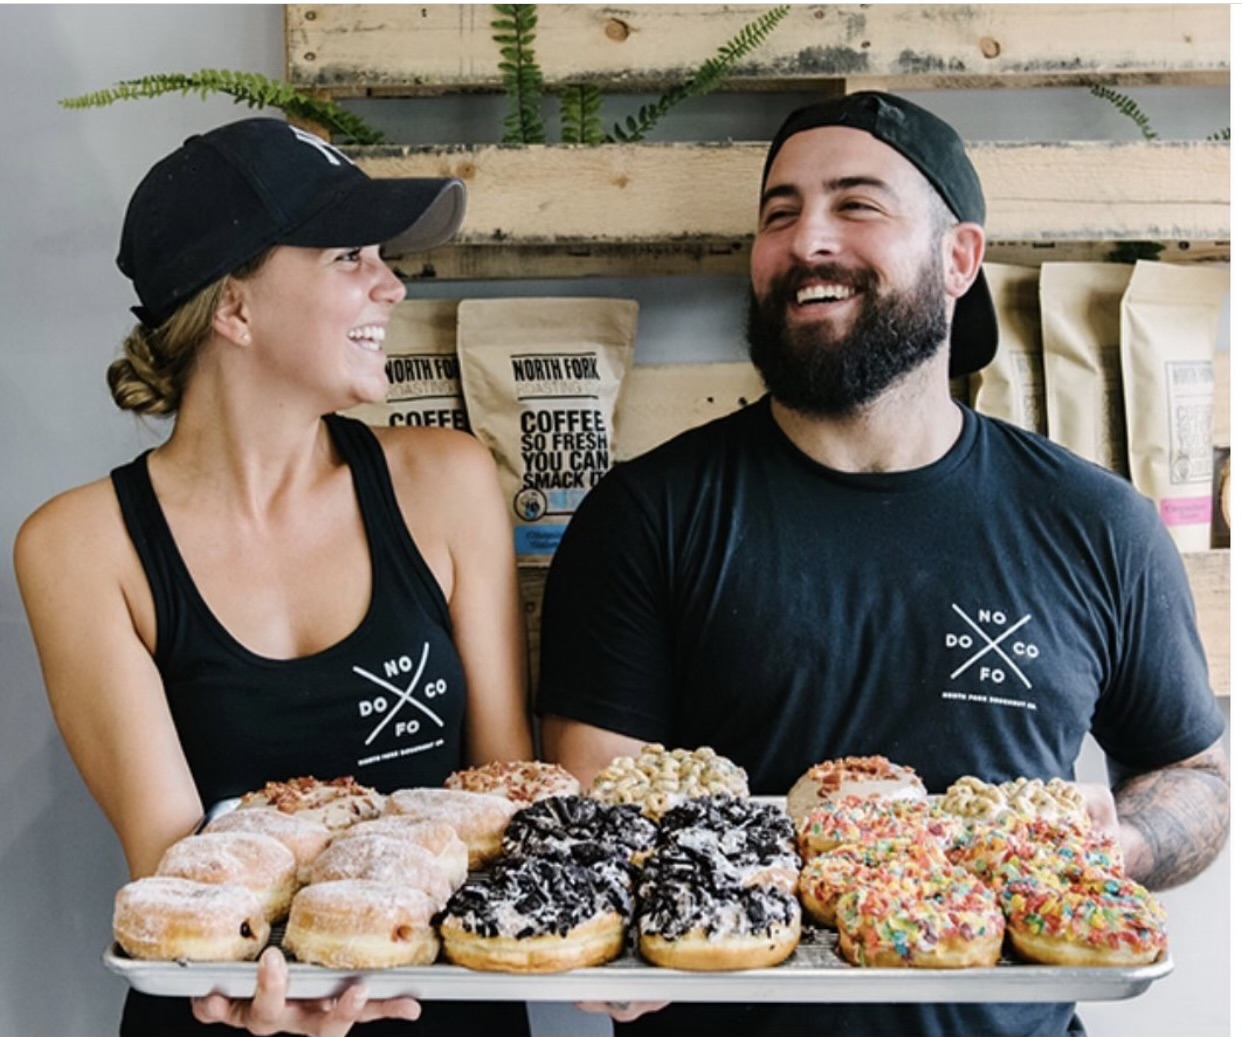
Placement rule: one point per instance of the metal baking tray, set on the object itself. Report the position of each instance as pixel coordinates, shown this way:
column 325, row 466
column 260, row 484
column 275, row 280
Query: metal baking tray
column 813, row 973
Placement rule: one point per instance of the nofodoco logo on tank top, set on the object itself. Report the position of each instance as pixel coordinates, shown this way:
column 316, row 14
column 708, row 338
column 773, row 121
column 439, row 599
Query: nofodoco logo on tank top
column 398, row 707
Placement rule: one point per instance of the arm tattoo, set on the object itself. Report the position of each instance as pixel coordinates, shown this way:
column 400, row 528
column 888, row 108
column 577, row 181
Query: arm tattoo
column 1181, row 813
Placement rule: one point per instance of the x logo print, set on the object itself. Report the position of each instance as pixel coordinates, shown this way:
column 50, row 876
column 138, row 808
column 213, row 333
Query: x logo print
column 402, row 696
column 991, row 645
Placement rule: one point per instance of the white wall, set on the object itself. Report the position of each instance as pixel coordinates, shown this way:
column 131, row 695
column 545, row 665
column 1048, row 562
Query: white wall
column 66, row 177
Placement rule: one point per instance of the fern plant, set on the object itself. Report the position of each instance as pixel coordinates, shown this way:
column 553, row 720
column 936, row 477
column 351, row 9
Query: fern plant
column 1128, row 107
column 249, row 88
column 520, row 72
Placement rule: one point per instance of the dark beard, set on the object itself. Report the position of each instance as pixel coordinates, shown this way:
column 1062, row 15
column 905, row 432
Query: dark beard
column 810, row 370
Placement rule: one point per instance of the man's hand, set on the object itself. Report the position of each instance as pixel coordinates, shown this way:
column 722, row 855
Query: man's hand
column 622, row 1011
column 269, row 1012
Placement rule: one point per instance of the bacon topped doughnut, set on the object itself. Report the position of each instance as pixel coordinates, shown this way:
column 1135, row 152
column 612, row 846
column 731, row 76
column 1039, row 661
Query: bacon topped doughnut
column 540, row 914
column 337, row 803
column 166, row 918
column 1098, row 920
column 478, row 818
column 523, row 781
column 917, row 918
column 658, row 778
column 867, row 777
column 561, row 822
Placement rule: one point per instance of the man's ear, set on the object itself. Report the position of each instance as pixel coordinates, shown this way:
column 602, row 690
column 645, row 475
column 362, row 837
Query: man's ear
column 231, row 319
column 964, row 245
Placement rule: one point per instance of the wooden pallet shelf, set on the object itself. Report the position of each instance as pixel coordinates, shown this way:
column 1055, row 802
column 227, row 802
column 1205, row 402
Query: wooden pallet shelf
column 351, row 50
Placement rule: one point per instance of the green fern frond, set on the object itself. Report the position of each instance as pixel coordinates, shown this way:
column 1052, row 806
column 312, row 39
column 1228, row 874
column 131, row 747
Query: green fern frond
column 580, row 115
column 706, row 78
column 1128, row 107
column 249, row 88
column 1220, row 136
column 514, row 33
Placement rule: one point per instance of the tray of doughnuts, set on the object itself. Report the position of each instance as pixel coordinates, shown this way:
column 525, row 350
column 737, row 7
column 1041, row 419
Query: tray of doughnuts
column 664, row 881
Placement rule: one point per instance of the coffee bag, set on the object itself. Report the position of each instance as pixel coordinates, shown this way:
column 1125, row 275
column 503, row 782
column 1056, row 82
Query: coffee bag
column 1011, row 387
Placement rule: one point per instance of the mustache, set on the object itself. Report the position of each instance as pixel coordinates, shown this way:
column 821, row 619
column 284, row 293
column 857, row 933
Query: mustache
column 795, row 277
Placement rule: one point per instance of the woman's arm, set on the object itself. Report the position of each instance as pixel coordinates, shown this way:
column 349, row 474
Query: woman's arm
column 85, row 596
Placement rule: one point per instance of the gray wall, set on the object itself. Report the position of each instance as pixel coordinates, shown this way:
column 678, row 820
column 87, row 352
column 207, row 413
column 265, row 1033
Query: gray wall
column 66, row 178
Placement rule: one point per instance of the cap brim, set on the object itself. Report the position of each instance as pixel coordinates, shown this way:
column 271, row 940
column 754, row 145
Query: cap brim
column 406, row 215
column 972, row 344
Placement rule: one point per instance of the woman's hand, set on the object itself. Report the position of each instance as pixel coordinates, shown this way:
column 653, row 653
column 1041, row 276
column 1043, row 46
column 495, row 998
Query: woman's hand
column 621, row 1011
column 269, row 1012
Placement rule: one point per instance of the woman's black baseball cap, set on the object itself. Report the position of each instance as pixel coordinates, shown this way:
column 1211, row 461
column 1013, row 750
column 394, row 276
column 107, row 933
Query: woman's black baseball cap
column 934, row 148
column 226, row 196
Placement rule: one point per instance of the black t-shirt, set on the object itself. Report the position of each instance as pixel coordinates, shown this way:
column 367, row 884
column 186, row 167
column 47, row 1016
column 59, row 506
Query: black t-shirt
column 977, row 616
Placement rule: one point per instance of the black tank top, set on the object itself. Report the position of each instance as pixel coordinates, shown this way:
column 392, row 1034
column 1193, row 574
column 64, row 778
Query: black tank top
column 385, row 704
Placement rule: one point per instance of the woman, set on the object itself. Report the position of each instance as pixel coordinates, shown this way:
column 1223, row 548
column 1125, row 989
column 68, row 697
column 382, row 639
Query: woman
column 272, row 592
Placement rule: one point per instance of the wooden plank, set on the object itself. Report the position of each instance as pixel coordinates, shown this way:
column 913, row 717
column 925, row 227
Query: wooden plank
column 668, row 192
column 1209, row 582
column 408, row 49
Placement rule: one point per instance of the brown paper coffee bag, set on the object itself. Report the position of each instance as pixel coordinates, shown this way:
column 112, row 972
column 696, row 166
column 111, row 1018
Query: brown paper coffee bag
column 1170, row 317
column 1011, row 387
column 1080, row 307
column 541, row 379
column 424, row 377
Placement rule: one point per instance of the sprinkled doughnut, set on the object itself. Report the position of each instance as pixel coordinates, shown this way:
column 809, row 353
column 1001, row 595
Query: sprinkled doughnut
column 904, row 917
column 361, row 924
column 868, row 777
column 1008, row 848
column 695, row 915
column 523, row 781
column 337, row 803
column 164, row 918
column 1099, row 920
column 561, row 822
column 853, row 819
column 259, row 862
column 829, row 876
column 659, row 778
column 540, row 914
column 478, row 818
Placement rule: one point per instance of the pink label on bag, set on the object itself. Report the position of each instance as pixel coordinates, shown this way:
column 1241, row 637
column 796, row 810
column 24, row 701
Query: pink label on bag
column 1186, row 511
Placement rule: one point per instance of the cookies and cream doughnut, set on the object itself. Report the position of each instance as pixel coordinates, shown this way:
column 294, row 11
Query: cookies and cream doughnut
column 658, row 778
column 917, row 918
column 523, row 781
column 302, row 836
column 379, row 857
column 540, row 914
column 1097, row 920
column 438, row 838
column 261, row 863
column 695, row 914
column 867, row 777
column 361, row 924
column 336, row 803
column 561, row 822
column 478, row 818
column 829, row 876
column 756, row 840
column 165, row 918
column 977, row 799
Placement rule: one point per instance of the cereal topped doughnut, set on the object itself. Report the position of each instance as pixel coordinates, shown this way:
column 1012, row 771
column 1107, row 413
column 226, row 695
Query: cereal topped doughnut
column 337, row 803
column 942, row 918
column 303, row 837
column 165, row 918
column 259, row 862
column 561, row 822
column 523, row 781
column 540, row 914
column 1098, row 920
column 695, row 914
column 658, row 778
column 478, row 818
column 854, row 820
column 868, row 777
column 976, row 799
column 829, row 876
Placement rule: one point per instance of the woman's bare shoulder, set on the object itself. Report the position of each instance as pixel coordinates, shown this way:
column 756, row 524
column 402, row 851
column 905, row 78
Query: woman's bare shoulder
column 447, row 456
column 79, row 522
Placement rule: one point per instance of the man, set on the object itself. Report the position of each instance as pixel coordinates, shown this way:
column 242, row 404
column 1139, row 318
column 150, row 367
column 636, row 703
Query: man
column 856, row 564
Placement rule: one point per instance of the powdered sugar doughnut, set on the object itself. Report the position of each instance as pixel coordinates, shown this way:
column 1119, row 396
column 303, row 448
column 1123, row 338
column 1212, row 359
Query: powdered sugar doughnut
column 337, row 803
column 436, row 837
column 478, row 818
column 867, row 777
column 360, row 924
column 164, row 918
column 259, row 862
column 915, row 918
column 540, row 914
column 1098, row 920
column 523, row 781
column 303, row 837
column 388, row 859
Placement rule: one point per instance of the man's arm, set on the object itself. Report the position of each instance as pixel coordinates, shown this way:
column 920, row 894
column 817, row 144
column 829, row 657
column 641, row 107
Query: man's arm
column 582, row 749
column 1174, row 820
